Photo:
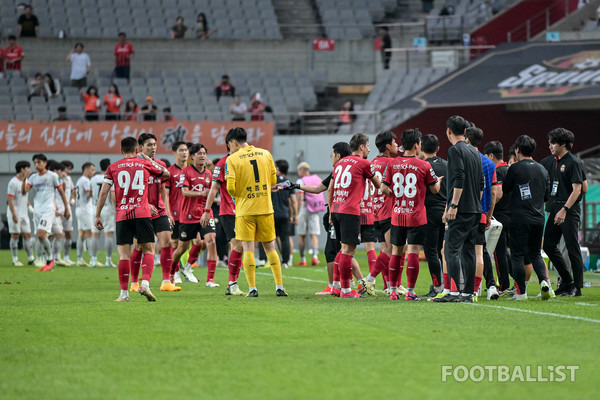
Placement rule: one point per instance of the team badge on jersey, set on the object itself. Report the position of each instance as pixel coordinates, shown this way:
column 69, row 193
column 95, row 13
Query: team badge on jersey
column 562, row 168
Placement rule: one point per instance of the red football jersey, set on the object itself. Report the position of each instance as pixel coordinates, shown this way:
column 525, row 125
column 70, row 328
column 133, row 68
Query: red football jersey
column 12, row 53
column 131, row 176
column 123, row 53
column 173, row 183
column 192, row 208
column 349, row 177
column 408, row 178
column 367, row 214
column 227, row 207
column 154, row 193
column 382, row 205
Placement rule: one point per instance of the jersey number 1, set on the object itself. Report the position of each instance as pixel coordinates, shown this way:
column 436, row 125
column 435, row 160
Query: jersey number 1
column 255, row 167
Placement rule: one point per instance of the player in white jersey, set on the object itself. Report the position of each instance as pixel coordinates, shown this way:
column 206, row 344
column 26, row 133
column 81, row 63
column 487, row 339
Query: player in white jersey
column 84, row 210
column 109, row 216
column 57, row 236
column 44, row 182
column 68, row 223
column 17, row 215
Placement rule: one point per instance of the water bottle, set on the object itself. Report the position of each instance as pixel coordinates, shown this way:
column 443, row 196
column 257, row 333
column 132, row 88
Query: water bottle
column 332, row 233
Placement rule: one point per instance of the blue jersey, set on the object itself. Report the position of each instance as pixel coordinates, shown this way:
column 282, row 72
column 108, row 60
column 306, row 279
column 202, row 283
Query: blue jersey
column 489, row 175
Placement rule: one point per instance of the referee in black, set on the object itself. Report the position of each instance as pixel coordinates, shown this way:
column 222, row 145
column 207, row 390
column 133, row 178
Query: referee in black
column 566, row 179
column 464, row 190
column 526, row 186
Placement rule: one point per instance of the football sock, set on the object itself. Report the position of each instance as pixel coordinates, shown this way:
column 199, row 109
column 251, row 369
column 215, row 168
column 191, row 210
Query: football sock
column 124, row 293
column 371, row 259
column 146, row 283
column 28, row 248
column 47, row 248
column 88, row 243
column 453, row 286
column 301, row 250
column 194, row 252
column 434, row 280
column 57, row 247
column 279, row 287
column 336, row 267
column 166, row 254
column 275, row 267
column 67, row 248
column 315, row 252
column 446, row 281
column 14, row 249
column 79, row 247
column 212, row 267
column 93, row 247
column 380, row 265
column 147, row 266
column 345, row 267
column 412, row 271
column 136, row 260
column 235, row 261
column 477, row 283
column 250, row 268
column 394, row 270
column 123, row 274
column 399, row 279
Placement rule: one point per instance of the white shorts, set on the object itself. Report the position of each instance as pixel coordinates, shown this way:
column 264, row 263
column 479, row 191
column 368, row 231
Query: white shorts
column 44, row 221
column 85, row 220
column 57, row 226
column 23, row 226
column 67, row 223
column 308, row 223
column 109, row 219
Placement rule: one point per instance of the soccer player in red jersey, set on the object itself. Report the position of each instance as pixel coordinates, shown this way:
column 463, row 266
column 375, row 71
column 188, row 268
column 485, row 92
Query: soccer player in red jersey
column 130, row 177
column 158, row 200
column 408, row 177
column 195, row 188
column 173, row 185
column 123, row 55
column 349, row 181
column 227, row 218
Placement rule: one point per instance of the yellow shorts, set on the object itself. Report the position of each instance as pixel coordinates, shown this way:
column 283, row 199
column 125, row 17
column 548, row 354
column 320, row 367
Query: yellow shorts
column 255, row 227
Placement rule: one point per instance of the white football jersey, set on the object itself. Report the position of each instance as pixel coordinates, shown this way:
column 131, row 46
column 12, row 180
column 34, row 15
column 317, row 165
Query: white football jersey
column 44, row 186
column 19, row 199
column 83, row 195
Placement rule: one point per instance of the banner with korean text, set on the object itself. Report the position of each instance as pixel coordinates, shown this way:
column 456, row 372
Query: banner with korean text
column 105, row 137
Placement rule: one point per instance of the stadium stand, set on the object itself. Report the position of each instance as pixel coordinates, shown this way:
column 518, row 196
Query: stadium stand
column 353, row 19
column 232, row 19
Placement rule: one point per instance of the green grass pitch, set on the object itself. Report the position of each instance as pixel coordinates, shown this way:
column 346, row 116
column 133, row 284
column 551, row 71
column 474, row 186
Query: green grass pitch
column 63, row 337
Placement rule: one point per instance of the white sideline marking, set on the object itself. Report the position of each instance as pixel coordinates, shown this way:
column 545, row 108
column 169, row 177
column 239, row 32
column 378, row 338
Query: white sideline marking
column 567, row 316
column 586, row 304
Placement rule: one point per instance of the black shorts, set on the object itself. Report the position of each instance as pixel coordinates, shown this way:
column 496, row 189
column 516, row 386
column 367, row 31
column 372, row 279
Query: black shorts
column 282, row 227
column 175, row 231
column 228, row 224
column 332, row 247
column 414, row 235
column 367, row 234
column 161, row 224
column 347, row 227
column 381, row 228
column 188, row 232
column 122, row 72
column 480, row 239
column 140, row 228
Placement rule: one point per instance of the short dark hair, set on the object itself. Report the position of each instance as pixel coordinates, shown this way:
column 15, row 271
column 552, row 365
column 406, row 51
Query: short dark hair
column 68, row 164
column 342, row 148
column 225, row 77
column 526, row 145
column 511, row 151
column 54, row 165
column 176, row 145
column 410, row 137
column 216, row 161
column 457, row 125
column 28, row 6
column 12, row 37
column 62, row 109
column 357, row 140
column 283, row 166
column 104, row 164
column 475, row 136
column 562, row 136
column 430, row 144
column 20, row 165
column 79, row 44
column 144, row 137
column 383, row 139
column 128, row 145
column 86, row 165
column 39, row 156
column 195, row 148
column 89, row 89
column 167, row 109
column 495, row 148
column 238, row 134
column 122, row 34
column 167, row 162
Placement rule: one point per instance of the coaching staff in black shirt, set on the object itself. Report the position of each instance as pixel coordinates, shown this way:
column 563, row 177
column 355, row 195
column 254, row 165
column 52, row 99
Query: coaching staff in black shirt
column 465, row 185
column 566, row 178
column 526, row 184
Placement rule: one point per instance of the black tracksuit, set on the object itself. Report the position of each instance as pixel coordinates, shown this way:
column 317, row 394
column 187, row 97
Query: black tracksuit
column 435, row 205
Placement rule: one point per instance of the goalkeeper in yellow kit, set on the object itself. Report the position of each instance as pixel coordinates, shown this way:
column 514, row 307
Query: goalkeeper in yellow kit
column 250, row 174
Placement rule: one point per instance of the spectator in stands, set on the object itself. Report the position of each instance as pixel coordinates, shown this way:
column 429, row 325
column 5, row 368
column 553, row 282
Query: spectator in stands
column 178, row 30
column 113, row 102
column 13, row 56
column 224, row 88
column 238, row 109
column 28, row 24
column 123, row 54
column 51, row 86
column 1, row 63
column 36, row 86
column 167, row 116
column 258, row 108
column 62, row 114
column 80, row 66
column 131, row 111
column 347, row 116
column 92, row 103
column 202, row 30
column 386, row 43
column 149, row 110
